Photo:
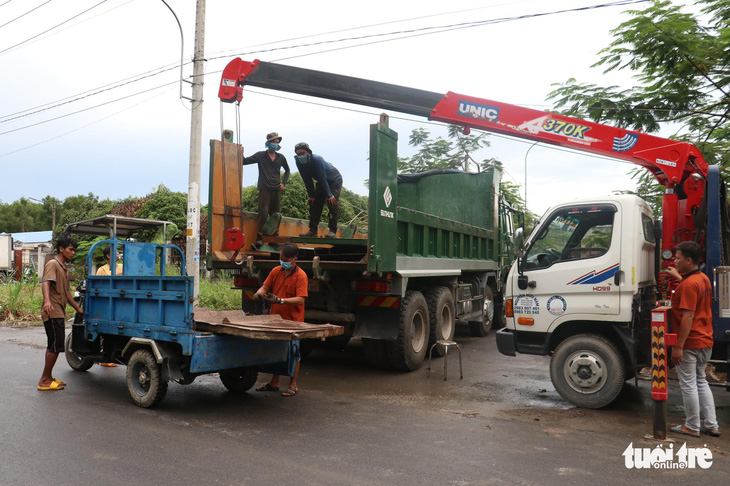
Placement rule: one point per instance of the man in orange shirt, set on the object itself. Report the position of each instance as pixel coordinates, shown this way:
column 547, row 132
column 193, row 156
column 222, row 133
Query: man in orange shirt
column 285, row 289
column 692, row 321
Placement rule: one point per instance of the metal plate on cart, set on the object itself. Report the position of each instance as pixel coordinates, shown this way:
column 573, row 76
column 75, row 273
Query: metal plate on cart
column 263, row 327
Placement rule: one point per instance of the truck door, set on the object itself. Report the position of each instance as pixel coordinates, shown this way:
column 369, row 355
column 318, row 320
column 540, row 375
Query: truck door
column 570, row 266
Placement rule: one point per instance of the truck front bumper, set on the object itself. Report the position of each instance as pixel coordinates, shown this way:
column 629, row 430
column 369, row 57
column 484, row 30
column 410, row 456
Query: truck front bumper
column 506, row 342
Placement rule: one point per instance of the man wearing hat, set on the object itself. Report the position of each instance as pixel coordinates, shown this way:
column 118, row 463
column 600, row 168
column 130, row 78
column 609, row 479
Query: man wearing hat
column 313, row 167
column 270, row 183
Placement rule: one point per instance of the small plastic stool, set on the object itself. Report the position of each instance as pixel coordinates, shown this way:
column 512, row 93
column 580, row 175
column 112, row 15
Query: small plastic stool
column 446, row 345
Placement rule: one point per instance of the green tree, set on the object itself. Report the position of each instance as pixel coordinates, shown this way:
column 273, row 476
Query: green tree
column 682, row 66
column 294, row 201
column 165, row 205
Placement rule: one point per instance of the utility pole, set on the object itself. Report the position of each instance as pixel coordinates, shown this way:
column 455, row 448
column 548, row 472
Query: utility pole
column 192, row 247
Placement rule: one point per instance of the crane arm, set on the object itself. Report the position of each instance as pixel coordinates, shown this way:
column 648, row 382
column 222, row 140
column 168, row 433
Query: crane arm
column 671, row 162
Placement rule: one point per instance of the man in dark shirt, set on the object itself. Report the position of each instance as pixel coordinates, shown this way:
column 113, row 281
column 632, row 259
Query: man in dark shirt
column 270, row 184
column 329, row 184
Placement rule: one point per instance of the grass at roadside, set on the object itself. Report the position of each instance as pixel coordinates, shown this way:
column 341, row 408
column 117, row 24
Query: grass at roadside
column 20, row 302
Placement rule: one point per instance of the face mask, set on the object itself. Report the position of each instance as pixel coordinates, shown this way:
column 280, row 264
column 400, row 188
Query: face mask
column 273, row 146
column 285, row 265
column 302, row 159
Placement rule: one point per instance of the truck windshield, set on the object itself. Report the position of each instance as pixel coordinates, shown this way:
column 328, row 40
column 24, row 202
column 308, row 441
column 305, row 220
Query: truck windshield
column 572, row 234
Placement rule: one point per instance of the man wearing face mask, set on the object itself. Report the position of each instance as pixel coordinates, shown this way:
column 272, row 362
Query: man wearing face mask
column 285, row 289
column 270, row 184
column 314, row 168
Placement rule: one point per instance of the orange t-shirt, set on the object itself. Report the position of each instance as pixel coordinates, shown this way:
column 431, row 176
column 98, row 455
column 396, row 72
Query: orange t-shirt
column 694, row 294
column 293, row 284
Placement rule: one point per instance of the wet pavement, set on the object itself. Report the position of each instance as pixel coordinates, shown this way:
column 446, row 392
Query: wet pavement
column 351, row 424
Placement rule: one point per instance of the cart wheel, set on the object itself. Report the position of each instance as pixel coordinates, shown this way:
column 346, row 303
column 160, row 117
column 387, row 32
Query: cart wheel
column 144, row 379
column 239, row 380
column 76, row 361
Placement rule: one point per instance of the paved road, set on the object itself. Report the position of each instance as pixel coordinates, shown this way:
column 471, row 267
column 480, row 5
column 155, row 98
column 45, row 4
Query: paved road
column 350, row 425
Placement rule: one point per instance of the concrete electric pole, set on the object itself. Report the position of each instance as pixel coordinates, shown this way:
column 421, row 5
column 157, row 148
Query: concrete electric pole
column 192, row 233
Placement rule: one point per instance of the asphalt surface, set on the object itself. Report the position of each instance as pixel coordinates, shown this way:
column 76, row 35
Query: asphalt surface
column 350, row 425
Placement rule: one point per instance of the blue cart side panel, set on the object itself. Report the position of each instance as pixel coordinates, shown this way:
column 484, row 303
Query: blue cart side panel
column 219, row 352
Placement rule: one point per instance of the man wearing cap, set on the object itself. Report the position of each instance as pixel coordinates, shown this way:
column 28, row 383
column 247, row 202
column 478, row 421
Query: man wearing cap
column 313, row 168
column 270, row 183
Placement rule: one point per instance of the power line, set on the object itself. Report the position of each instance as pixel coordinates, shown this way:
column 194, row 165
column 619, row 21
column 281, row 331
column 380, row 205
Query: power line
column 5, row 3
column 439, row 28
column 26, row 13
column 86, row 94
column 444, row 29
column 54, row 27
column 84, row 126
column 87, row 109
column 411, row 33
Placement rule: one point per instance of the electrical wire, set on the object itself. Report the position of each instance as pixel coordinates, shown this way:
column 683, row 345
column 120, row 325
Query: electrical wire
column 85, row 126
column 52, row 28
column 5, row 3
column 23, row 15
column 87, row 109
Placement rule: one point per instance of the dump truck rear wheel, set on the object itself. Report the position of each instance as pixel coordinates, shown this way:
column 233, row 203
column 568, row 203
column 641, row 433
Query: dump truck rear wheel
column 407, row 352
column 76, row 361
column 144, row 379
column 481, row 328
column 441, row 311
column 239, row 380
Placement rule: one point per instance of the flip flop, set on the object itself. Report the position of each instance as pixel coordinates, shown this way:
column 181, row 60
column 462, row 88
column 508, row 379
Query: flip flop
column 290, row 392
column 62, row 383
column 710, row 432
column 677, row 429
column 267, row 388
column 52, row 386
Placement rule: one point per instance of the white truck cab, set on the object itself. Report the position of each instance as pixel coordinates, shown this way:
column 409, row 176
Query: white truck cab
column 584, row 278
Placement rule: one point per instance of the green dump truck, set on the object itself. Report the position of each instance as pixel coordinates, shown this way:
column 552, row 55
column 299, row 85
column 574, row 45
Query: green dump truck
column 428, row 259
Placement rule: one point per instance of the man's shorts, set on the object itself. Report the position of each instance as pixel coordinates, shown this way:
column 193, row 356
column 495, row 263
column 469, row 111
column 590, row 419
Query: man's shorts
column 296, row 350
column 56, row 332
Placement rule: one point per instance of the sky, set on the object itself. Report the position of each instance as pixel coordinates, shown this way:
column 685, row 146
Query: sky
column 127, row 140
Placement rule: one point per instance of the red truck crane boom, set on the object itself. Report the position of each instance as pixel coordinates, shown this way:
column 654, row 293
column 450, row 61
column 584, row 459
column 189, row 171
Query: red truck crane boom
column 672, row 162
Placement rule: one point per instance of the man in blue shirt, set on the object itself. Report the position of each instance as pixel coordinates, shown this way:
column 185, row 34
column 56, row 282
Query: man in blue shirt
column 314, row 168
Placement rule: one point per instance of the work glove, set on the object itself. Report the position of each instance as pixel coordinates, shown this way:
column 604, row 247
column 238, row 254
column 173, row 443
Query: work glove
column 271, row 298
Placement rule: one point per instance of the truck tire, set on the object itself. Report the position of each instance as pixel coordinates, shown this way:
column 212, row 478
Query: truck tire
column 376, row 353
column 407, row 352
column 482, row 327
column 587, row 370
column 74, row 360
column 442, row 315
column 144, row 379
column 239, row 380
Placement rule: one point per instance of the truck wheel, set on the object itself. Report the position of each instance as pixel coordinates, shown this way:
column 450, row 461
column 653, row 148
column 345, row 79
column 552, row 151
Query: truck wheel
column 481, row 328
column 144, row 379
column 76, row 361
column 376, row 353
column 587, row 371
column 442, row 314
column 239, row 380
column 407, row 352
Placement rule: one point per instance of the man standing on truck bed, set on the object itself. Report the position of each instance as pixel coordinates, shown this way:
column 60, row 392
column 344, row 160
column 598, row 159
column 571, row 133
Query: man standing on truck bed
column 329, row 184
column 285, row 289
column 692, row 321
column 270, row 184
column 56, row 294
column 106, row 270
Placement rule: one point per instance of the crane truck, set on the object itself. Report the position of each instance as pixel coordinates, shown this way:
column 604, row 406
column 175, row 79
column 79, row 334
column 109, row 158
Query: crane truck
column 589, row 273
